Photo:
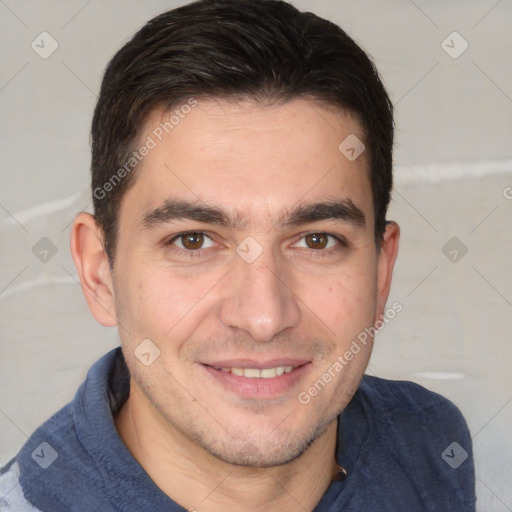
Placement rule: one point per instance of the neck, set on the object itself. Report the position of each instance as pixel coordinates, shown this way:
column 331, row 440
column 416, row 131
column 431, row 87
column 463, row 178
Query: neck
column 196, row 480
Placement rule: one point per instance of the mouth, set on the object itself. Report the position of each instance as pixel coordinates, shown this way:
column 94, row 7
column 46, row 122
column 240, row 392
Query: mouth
column 250, row 379
column 256, row 373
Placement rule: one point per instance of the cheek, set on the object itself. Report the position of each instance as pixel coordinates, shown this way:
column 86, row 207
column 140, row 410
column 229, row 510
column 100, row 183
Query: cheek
column 158, row 304
column 347, row 303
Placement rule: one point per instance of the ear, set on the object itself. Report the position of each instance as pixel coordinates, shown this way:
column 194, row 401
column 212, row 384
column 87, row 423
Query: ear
column 93, row 268
column 386, row 262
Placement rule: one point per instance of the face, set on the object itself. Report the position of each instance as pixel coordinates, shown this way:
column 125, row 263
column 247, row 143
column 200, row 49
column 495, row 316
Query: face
column 246, row 254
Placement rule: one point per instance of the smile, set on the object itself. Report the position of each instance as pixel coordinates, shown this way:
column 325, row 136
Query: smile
column 256, row 373
column 261, row 380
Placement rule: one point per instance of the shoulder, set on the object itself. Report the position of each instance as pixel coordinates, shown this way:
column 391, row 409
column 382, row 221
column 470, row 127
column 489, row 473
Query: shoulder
column 11, row 494
column 404, row 409
column 55, row 467
column 404, row 397
column 418, row 436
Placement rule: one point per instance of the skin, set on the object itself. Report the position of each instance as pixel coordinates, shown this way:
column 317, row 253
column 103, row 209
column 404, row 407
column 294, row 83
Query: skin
column 206, row 445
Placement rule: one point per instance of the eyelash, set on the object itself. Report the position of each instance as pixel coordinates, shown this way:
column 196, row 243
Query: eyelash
column 189, row 253
column 320, row 252
column 343, row 244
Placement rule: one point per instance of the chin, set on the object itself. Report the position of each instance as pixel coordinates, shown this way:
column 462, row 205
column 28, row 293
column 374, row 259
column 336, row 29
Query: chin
column 265, row 453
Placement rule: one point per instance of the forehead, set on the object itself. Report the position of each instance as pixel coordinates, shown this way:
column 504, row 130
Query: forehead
column 247, row 157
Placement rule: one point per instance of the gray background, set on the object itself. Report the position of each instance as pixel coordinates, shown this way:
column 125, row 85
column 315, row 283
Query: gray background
column 453, row 169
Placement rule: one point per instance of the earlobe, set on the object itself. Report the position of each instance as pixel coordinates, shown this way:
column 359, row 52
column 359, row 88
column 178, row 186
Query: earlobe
column 387, row 257
column 93, row 268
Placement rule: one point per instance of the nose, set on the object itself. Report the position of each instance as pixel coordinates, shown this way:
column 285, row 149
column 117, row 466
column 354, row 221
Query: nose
column 258, row 298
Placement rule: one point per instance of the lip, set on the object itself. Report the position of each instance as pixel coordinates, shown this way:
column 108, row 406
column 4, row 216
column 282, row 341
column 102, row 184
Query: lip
column 257, row 388
column 252, row 363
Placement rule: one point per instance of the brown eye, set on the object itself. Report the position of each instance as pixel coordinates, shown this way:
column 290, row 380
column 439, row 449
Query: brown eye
column 191, row 241
column 317, row 240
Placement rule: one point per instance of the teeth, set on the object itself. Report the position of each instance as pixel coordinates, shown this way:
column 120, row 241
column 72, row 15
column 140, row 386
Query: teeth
column 252, row 373
column 268, row 373
column 255, row 373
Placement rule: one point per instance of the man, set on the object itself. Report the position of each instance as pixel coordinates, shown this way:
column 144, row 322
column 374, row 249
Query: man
column 241, row 173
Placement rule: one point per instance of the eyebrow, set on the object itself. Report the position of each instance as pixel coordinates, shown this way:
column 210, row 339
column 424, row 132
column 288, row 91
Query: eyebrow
column 342, row 209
